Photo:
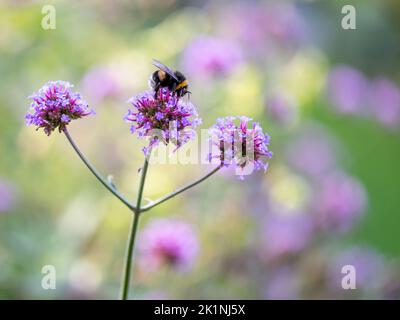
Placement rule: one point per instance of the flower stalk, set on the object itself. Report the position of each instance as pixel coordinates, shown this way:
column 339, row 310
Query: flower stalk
column 99, row 177
column 132, row 235
column 137, row 210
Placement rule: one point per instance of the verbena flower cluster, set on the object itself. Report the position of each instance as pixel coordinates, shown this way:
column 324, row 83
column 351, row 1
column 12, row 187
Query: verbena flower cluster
column 100, row 83
column 351, row 92
column 209, row 56
column 238, row 145
column 55, row 106
column 168, row 242
column 264, row 28
column 285, row 234
column 163, row 117
column 340, row 202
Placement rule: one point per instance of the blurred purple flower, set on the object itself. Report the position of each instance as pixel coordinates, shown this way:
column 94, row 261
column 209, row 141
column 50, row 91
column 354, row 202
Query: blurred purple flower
column 347, row 89
column 369, row 267
column 260, row 26
column 168, row 242
column 164, row 117
column 237, row 144
column 284, row 24
column 312, row 152
column 340, row 201
column 8, row 196
column 289, row 234
column 99, row 83
column 282, row 284
column 385, row 101
column 55, row 106
column 281, row 108
column 209, row 56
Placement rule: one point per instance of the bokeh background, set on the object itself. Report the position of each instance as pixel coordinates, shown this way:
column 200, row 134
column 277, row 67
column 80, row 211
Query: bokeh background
column 329, row 98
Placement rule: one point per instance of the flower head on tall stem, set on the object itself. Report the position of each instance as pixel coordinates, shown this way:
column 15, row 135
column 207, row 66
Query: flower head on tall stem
column 55, row 106
column 162, row 116
column 235, row 143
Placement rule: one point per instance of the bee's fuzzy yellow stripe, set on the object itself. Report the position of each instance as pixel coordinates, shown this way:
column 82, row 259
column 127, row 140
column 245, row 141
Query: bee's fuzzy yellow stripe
column 184, row 83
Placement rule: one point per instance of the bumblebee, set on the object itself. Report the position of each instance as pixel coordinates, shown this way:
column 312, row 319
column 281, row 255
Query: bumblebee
column 165, row 77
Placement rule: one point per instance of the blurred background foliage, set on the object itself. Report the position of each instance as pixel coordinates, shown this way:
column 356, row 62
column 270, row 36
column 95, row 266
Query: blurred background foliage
column 328, row 97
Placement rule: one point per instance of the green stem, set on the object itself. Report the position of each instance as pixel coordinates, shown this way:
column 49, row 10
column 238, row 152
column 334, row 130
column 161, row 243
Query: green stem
column 135, row 209
column 99, row 177
column 132, row 235
column 176, row 192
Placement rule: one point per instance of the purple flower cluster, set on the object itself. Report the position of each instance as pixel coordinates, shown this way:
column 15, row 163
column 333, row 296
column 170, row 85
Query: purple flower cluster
column 55, row 106
column 208, row 56
column 350, row 92
column 163, row 117
column 264, row 28
column 340, row 201
column 347, row 89
column 281, row 108
column 99, row 84
column 313, row 152
column 285, row 234
column 384, row 99
column 168, row 242
column 234, row 143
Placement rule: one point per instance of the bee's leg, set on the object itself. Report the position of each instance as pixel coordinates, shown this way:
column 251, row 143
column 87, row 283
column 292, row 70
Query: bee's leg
column 156, row 88
column 153, row 80
column 179, row 92
column 172, row 87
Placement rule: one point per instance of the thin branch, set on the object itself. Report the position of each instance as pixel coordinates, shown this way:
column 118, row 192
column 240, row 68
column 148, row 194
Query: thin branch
column 99, row 177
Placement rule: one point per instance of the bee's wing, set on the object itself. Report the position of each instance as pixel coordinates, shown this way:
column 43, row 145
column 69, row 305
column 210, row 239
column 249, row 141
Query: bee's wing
column 164, row 68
